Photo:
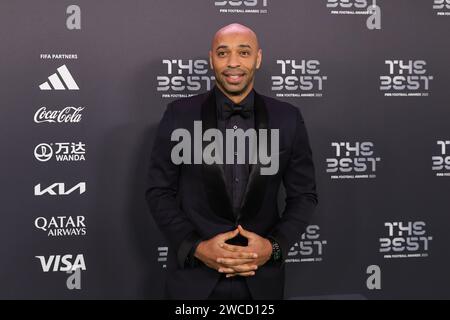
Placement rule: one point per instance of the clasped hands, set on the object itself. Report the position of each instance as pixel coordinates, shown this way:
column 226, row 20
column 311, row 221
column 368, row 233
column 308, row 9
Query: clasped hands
column 234, row 260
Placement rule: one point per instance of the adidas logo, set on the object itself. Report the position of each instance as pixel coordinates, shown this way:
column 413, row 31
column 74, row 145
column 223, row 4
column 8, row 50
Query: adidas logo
column 57, row 84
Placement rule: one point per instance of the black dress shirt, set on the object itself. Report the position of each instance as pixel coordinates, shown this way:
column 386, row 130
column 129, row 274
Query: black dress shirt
column 236, row 175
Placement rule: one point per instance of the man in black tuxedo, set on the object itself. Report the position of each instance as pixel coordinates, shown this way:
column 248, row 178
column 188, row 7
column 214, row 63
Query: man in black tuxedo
column 226, row 235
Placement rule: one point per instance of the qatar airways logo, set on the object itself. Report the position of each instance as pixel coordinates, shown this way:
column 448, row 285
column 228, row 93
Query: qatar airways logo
column 405, row 240
column 358, row 7
column 242, row 7
column 441, row 161
column 241, row 147
column 353, row 161
column 406, row 78
column 184, row 78
column 298, row 79
column 64, row 115
column 61, row 226
column 442, row 7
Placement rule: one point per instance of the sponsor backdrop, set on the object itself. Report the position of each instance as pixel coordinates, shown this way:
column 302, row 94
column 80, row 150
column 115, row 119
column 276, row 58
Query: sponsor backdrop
column 84, row 84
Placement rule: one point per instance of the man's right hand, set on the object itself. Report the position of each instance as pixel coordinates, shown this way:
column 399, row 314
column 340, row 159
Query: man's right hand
column 209, row 251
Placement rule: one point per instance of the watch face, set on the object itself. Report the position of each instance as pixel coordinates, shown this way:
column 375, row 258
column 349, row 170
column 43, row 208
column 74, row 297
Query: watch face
column 276, row 254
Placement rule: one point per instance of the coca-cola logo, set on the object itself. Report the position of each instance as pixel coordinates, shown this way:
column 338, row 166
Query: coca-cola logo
column 68, row 114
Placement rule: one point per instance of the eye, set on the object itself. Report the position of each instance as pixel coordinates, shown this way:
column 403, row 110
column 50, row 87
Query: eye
column 245, row 53
column 221, row 53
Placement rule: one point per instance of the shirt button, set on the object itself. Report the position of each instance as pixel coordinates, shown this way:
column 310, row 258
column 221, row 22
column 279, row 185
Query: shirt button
column 235, row 127
column 235, row 153
column 236, row 179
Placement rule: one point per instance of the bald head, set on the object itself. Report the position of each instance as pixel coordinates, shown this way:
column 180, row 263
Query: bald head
column 235, row 29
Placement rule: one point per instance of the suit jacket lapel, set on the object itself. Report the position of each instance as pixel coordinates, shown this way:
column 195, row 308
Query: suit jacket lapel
column 213, row 175
column 257, row 183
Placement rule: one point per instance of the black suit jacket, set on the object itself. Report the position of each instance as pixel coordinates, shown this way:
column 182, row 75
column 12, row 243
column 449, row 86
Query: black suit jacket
column 190, row 201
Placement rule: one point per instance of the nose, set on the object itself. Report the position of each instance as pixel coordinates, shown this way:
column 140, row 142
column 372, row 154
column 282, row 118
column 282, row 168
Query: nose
column 233, row 61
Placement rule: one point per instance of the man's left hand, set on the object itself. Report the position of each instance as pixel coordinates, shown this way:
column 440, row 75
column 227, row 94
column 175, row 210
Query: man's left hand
column 257, row 244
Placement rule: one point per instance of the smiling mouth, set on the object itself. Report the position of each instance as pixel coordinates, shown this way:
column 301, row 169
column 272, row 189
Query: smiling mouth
column 234, row 78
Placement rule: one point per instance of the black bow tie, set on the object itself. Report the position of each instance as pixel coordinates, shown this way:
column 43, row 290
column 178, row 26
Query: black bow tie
column 231, row 109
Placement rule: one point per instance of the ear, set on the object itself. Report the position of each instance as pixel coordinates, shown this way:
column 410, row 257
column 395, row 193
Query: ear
column 210, row 60
column 259, row 58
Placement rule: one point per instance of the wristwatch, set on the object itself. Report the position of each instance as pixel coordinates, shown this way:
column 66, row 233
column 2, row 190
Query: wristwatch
column 276, row 250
